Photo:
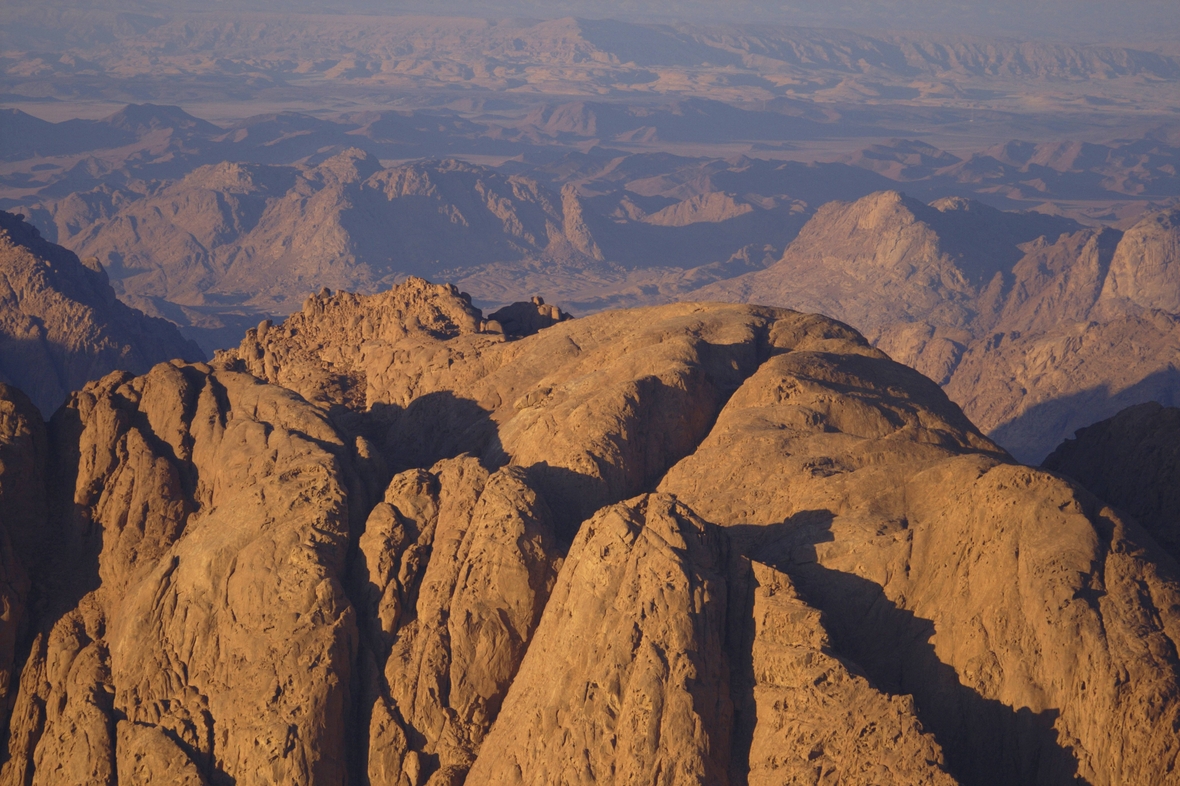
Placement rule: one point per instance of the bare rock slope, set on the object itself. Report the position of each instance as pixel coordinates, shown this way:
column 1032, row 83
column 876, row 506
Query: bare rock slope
column 1133, row 462
column 697, row 543
column 61, row 325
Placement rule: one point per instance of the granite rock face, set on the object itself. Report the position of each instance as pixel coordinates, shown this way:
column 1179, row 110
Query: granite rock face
column 996, row 595
column 61, row 325
column 697, row 543
column 1131, row 461
column 195, row 616
column 460, row 564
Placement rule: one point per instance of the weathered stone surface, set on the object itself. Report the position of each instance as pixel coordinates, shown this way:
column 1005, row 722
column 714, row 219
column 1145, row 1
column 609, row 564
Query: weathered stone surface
column 626, row 680
column 199, row 590
column 1131, row 461
column 1016, row 610
column 318, row 350
column 220, row 603
column 819, row 720
column 597, row 408
column 1144, row 270
column 61, row 325
column 146, row 755
column 459, row 565
column 1031, row 391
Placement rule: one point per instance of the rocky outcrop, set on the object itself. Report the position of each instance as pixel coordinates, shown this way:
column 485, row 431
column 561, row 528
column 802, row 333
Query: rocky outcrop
column 1145, row 266
column 1131, row 461
column 61, row 325
column 695, row 543
column 998, row 596
column 196, row 620
column 459, row 565
column 1034, row 390
column 626, row 680
column 819, row 719
column 319, row 351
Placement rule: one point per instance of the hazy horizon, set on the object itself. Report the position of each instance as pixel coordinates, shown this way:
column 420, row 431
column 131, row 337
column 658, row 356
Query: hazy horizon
column 1084, row 21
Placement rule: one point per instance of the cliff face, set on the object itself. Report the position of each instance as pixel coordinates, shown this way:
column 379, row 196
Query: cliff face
column 686, row 544
column 61, row 325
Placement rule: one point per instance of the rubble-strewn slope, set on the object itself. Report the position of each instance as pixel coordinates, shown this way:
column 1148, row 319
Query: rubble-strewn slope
column 61, row 325
column 1034, row 325
column 694, row 543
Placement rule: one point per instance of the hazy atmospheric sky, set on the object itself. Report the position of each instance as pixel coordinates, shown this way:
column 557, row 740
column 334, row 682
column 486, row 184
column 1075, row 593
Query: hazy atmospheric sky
column 1079, row 20
column 1093, row 20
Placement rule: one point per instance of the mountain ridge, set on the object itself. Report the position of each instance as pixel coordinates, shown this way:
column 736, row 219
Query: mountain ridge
column 61, row 324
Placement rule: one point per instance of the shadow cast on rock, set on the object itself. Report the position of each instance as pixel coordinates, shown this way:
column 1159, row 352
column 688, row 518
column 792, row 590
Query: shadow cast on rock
column 1037, row 431
column 985, row 742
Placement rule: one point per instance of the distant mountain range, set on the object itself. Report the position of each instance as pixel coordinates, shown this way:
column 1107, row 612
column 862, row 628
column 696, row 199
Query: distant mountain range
column 72, row 53
column 1033, row 324
column 585, row 143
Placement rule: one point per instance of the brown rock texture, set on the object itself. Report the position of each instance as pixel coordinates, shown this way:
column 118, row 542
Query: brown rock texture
column 61, row 325
column 696, row 543
column 819, row 720
column 460, row 563
column 203, row 524
column 1131, row 461
column 1036, row 390
column 1034, row 325
column 626, row 680
column 997, row 595
column 319, row 351
column 1145, row 266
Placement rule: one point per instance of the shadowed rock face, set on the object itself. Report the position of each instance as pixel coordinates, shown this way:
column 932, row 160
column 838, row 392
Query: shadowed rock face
column 61, row 325
column 698, row 543
column 1133, row 462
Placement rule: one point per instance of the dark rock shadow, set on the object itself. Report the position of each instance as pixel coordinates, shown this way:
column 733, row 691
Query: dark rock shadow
column 985, row 742
column 1041, row 428
column 433, row 427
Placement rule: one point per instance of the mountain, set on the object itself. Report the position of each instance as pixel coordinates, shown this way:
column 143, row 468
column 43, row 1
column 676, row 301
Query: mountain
column 206, row 50
column 61, row 324
column 235, row 242
column 1035, row 325
column 687, row 543
column 264, row 236
column 1132, row 461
